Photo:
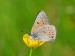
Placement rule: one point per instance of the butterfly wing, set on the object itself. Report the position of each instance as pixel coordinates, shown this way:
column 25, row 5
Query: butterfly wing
column 46, row 33
column 41, row 20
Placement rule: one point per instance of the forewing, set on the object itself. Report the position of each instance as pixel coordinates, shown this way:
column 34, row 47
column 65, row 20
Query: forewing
column 46, row 33
column 41, row 20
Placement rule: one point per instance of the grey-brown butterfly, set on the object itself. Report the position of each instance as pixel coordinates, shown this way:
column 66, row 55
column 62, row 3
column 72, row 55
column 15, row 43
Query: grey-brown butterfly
column 42, row 29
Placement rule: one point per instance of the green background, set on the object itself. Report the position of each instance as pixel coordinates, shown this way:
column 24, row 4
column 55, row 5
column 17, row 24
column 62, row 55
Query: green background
column 19, row 15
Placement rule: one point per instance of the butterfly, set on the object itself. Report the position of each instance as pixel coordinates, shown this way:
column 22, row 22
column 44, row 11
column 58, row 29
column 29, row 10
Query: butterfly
column 42, row 29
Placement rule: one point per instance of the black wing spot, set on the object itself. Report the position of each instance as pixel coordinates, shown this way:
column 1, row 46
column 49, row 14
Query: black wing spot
column 44, row 31
column 38, row 17
column 37, row 22
column 43, row 22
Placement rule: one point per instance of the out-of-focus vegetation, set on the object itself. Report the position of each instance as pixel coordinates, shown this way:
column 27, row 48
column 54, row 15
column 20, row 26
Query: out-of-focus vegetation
column 19, row 15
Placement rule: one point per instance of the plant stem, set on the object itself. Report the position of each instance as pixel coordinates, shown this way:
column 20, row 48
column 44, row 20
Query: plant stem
column 30, row 52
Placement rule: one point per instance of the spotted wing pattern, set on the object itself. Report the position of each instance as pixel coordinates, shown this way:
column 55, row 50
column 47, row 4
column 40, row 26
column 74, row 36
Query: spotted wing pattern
column 46, row 33
column 41, row 20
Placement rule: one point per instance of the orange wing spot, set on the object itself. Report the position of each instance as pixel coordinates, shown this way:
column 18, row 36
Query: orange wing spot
column 52, row 33
column 52, row 36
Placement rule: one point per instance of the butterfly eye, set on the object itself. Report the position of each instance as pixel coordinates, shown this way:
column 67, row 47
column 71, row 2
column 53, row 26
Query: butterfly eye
column 36, row 37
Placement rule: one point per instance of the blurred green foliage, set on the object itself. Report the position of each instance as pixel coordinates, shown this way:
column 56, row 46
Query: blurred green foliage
column 19, row 15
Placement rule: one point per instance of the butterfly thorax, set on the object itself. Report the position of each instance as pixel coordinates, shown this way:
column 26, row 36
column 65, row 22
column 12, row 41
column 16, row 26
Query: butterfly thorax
column 35, row 36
